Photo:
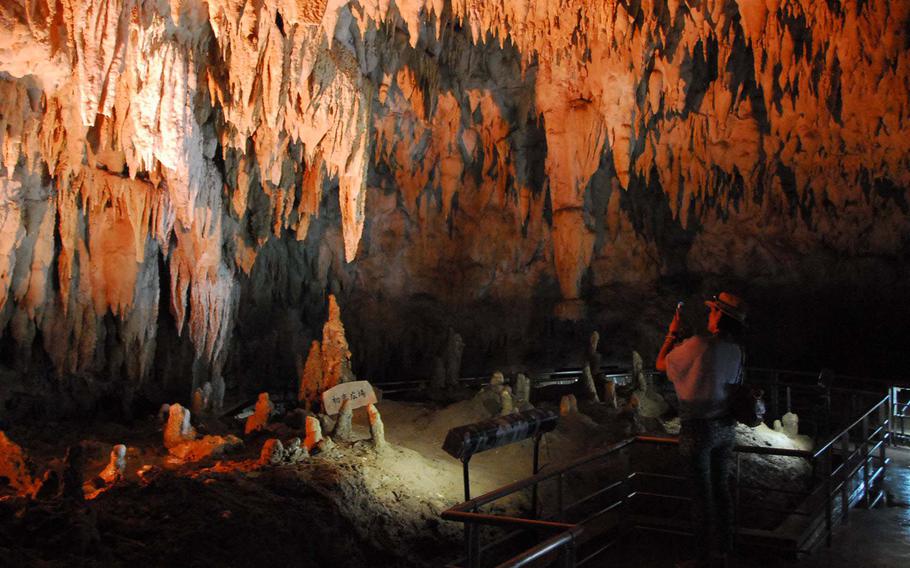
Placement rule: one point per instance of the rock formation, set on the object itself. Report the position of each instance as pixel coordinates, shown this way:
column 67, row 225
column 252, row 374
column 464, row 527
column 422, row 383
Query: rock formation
column 180, row 438
column 377, row 429
column 178, row 428
column 568, row 404
column 116, row 468
column 522, row 392
column 14, row 467
column 587, row 382
column 313, row 433
column 328, row 362
column 261, row 413
column 175, row 175
column 342, row 431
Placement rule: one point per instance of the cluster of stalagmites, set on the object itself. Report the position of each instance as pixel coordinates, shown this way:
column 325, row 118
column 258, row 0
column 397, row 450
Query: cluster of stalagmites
column 184, row 444
column 17, row 473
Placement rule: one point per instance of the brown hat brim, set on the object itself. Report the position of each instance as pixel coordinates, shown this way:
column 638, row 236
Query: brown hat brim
column 727, row 309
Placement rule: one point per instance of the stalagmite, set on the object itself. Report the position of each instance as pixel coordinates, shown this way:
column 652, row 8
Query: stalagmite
column 217, row 399
column 638, row 372
column 311, row 376
column 116, row 468
column 497, row 382
column 377, row 430
column 336, row 357
column 588, row 384
column 610, row 393
column 180, row 438
column 508, row 406
column 260, row 417
column 453, row 354
column 313, row 433
column 790, row 424
column 272, row 452
column 568, row 404
column 593, row 355
column 178, row 428
column 522, row 392
column 198, row 405
column 342, row 431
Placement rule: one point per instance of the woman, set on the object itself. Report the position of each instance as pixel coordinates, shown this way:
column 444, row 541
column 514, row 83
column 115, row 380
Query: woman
column 703, row 370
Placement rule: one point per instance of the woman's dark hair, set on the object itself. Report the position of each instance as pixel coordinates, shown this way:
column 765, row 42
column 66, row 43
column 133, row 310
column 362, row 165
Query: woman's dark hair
column 730, row 328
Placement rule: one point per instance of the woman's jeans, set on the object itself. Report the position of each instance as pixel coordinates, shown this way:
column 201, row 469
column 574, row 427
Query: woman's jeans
column 707, row 448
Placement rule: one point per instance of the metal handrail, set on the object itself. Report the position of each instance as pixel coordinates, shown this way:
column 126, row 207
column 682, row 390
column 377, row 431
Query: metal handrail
column 844, row 431
column 546, row 547
column 569, row 533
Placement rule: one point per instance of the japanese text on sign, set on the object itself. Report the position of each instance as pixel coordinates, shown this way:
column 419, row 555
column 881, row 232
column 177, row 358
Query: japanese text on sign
column 357, row 393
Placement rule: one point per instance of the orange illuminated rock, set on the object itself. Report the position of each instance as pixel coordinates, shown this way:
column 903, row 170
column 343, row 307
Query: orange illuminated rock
column 206, row 447
column 260, row 417
column 313, row 433
column 311, row 383
column 116, row 468
column 328, row 362
column 336, row 356
column 164, row 156
column 178, row 428
column 14, row 467
column 181, row 442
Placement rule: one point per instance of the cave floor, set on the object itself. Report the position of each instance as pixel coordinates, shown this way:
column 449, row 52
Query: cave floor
column 872, row 538
column 875, row 538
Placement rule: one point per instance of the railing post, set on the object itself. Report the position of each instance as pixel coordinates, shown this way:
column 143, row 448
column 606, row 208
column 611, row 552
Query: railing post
column 472, row 544
column 567, row 555
column 536, row 469
column 736, row 501
column 828, row 497
column 865, row 447
column 845, row 486
column 886, row 439
column 559, row 500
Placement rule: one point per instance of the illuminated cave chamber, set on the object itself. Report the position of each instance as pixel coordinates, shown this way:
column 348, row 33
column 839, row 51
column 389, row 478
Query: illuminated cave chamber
column 184, row 184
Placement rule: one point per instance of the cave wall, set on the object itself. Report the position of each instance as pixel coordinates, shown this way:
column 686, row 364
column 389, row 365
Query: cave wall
column 182, row 183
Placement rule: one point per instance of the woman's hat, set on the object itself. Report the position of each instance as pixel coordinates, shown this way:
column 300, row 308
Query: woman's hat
column 730, row 304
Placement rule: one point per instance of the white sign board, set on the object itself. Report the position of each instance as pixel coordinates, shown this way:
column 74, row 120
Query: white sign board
column 357, row 393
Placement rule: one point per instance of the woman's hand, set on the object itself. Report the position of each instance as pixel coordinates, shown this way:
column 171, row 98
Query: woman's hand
column 675, row 325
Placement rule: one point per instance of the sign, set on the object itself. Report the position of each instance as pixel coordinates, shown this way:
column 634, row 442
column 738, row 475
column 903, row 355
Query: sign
column 357, row 393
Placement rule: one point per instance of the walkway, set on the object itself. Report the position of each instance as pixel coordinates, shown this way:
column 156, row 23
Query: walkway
column 877, row 538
